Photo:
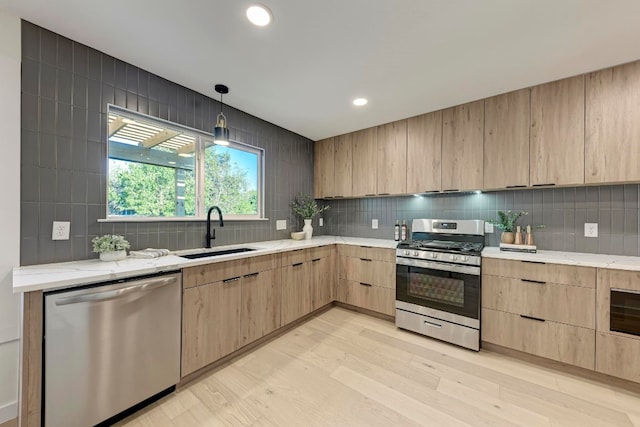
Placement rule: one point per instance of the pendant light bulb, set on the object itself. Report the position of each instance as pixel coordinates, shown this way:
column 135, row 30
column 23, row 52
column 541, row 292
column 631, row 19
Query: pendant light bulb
column 221, row 131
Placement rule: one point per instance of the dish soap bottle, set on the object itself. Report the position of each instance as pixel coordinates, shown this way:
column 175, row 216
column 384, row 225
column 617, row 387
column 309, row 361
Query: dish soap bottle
column 396, row 231
column 403, row 233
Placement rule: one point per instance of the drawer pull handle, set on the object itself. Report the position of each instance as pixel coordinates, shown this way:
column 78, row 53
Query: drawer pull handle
column 537, row 319
column 297, row 264
column 534, row 281
column 450, row 190
column 433, row 325
column 365, row 284
column 534, row 262
column 383, row 194
column 543, row 185
column 369, row 195
column 233, row 279
column 366, row 259
column 315, row 260
column 251, row 275
column 516, row 186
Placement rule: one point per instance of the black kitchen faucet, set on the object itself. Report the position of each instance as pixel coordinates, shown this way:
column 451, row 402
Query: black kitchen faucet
column 211, row 236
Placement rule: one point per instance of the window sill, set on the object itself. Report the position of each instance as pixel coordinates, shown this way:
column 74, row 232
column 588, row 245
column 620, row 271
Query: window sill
column 177, row 219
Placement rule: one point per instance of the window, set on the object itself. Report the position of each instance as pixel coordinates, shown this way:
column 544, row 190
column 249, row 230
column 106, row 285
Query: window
column 159, row 169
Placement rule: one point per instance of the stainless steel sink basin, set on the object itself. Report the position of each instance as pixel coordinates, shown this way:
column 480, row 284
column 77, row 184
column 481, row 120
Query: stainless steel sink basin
column 217, row 253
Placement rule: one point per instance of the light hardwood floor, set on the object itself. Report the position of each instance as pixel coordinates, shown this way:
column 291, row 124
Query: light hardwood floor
column 343, row 368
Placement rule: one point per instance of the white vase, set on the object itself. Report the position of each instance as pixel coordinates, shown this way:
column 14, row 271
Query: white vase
column 308, row 229
column 113, row 255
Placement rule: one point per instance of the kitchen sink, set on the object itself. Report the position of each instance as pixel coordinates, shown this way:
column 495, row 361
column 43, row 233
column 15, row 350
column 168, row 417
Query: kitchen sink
column 217, row 253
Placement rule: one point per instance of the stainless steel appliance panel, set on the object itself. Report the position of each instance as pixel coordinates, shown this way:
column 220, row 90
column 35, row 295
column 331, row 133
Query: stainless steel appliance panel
column 109, row 347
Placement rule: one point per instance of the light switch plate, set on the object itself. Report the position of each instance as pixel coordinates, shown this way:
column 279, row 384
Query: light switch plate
column 590, row 229
column 374, row 224
column 60, row 230
column 488, row 227
column 321, row 222
column 281, row 224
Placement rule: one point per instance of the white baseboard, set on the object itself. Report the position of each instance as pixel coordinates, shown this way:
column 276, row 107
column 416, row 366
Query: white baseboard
column 8, row 412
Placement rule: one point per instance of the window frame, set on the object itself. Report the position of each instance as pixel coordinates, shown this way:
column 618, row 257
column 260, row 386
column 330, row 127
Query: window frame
column 202, row 138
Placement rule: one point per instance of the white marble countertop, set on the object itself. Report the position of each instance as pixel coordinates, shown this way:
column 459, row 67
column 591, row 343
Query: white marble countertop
column 569, row 258
column 70, row 274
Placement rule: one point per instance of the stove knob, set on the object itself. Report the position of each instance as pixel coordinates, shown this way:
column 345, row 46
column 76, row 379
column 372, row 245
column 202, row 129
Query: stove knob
column 406, row 252
column 464, row 258
column 434, row 255
column 416, row 253
column 453, row 257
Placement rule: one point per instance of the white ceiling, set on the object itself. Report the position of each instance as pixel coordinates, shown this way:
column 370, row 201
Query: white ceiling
column 406, row 56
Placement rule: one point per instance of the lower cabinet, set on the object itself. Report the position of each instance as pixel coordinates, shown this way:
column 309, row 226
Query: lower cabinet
column 322, row 282
column 296, row 291
column 364, row 295
column 260, row 305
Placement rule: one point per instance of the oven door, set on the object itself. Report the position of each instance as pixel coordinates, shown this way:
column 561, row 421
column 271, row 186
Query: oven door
column 451, row 288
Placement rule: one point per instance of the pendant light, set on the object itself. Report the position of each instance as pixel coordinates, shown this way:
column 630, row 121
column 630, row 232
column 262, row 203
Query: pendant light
column 221, row 131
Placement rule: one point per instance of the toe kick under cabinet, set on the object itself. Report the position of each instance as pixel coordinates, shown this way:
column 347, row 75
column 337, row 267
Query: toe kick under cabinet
column 540, row 308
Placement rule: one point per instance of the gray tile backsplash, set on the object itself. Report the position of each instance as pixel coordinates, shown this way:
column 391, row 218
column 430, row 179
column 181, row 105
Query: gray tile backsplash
column 66, row 87
column 563, row 211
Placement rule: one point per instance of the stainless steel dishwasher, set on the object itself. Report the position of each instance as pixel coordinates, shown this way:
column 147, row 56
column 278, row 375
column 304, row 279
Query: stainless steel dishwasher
column 109, row 347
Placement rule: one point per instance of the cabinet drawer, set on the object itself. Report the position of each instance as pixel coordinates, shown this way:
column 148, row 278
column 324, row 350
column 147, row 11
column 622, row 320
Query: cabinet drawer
column 573, row 305
column 294, row 257
column 368, row 271
column 217, row 271
column 368, row 252
column 618, row 356
column 321, row 252
column 557, row 341
column 543, row 272
column 373, row 298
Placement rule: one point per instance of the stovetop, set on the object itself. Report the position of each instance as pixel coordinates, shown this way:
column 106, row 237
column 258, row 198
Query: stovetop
column 473, row 248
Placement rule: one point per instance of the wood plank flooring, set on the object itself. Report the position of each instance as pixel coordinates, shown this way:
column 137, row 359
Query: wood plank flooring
column 343, row 368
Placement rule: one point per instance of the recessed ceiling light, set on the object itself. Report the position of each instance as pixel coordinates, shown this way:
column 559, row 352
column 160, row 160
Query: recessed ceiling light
column 359, row 102
column 259, row 15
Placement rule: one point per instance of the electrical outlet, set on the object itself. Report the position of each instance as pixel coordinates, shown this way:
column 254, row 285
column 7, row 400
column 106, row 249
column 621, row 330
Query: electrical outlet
column 590, row 229
column 281, row 224
column 374, row 224
column 488, row 227
column 60, row 230
column 321, row 222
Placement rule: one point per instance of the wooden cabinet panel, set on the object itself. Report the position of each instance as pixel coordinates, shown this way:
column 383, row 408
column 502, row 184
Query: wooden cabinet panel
column 506, row 140
column 222, row 270
column 322, row 282
column 295, row 256
column 542, row 272
column 320, row 252
column 462, row 147
column 343, row 165
column 323, row 168
column 573, row 305
column 424, row 153
column 210, row 323
column 296, row 292
column 368, row 271
column 557, row 132
column 260, row 305
column 379, row 254
column 557, row 341
column 364, row 170
column 618, row 356
column 374, row 298
column 612, row 127
column 392, row 158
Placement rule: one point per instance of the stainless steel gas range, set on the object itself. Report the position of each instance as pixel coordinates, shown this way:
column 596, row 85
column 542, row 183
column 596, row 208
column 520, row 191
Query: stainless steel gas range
column 438, row 280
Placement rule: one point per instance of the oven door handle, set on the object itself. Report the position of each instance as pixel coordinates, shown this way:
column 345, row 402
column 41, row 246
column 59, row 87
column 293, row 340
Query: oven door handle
column 442, row 266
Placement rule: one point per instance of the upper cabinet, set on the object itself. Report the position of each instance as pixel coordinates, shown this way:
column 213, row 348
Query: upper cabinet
column 462, row 147
column 323, row 168
column 343, row 164
column 392, row 158
column 364, row 162
column 424, row 153
column 506, row 140
column 612, row 140
column 557, row 133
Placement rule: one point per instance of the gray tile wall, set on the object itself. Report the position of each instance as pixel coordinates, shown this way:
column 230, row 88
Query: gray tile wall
column 562, row 210
column 66, row 87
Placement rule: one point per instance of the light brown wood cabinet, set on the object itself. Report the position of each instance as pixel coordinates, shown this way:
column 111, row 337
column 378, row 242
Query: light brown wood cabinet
column 462, row 147
column 296, row 291
column 364, row 169
column 260, row 305
column 323, row 168
column 424, row 153
column 612, row 128
column 557, row 133
column 343, row 165
column 506, row 140
column 322, row 282
column 392, row 158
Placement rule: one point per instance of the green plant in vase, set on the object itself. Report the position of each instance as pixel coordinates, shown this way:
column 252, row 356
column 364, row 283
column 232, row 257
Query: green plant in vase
column 304, row 206
column 111, row 247
column 507, row 223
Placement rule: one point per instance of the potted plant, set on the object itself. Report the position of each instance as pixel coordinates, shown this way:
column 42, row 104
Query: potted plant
column 304, row 206
column 507, row 223
column 111, row 247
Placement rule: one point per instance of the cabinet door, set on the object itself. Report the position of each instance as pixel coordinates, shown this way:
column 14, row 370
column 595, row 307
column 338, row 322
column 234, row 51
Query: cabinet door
column 296, row 292
column 260, row 305
column 506, row 140
column 343, row 163
column 557, row 133
column 424, row 153
column 210, row 323
column 612, row 140
column 392, row 158
column 462, row 147
column 323, row 168
column 322, row 279
column 364, row 162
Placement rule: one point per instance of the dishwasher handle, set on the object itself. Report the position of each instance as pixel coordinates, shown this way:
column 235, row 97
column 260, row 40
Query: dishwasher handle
column 116, row 293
